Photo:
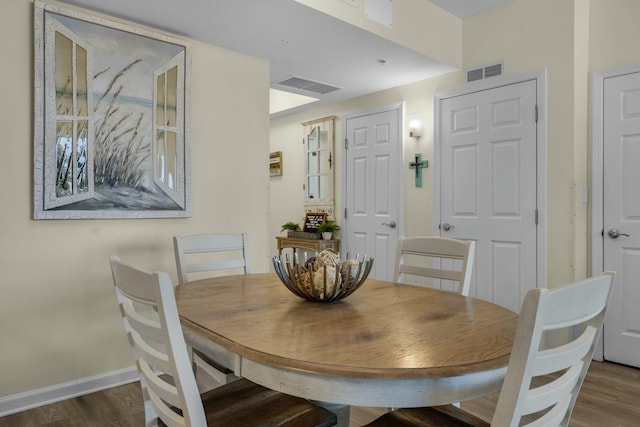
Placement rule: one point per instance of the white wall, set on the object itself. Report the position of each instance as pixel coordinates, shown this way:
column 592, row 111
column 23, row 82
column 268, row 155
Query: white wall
column 58, row 315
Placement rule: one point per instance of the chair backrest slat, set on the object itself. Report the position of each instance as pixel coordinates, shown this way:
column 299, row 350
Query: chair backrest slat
column 437, row 249
column 159, row 386
column 556, row 359
column 227, row 251
column 545, row 396
column 147, row 327
column 210, row 266
column 434, row 273
column 154, row 357
column 555, row 416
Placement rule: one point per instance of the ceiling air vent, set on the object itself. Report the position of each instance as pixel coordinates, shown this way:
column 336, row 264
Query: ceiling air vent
column 307, row 85
column 491, row 70
column 473, row 75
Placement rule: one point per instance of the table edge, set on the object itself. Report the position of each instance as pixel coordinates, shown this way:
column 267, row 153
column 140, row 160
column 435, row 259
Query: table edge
column 346, row 371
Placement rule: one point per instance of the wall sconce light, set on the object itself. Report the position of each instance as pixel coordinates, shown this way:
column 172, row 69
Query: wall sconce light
column 415, row 128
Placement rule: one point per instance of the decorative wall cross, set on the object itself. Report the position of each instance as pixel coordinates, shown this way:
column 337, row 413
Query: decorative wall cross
column 418, row 165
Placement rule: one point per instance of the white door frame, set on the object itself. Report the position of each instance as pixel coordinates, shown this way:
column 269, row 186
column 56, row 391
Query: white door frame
column 541, row 179
column 399, row 108
column 597, row 175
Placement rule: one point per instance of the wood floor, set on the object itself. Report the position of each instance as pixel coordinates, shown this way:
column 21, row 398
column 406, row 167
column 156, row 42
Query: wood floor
column 610, row 397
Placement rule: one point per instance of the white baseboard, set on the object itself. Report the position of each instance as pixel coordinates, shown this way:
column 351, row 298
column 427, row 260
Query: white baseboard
column 35, row 398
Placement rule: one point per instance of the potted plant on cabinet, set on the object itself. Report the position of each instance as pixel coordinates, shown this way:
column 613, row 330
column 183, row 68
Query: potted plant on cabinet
column 327, row 228
column 290, row 226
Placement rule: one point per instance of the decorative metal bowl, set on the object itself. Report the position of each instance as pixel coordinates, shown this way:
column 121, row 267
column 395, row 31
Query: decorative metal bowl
column 323, row 278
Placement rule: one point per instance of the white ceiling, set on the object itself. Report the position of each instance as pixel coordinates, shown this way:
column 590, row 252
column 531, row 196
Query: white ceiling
column 295, row 39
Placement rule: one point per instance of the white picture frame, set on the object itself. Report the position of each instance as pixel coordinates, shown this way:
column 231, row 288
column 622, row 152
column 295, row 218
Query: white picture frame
column 111, row 121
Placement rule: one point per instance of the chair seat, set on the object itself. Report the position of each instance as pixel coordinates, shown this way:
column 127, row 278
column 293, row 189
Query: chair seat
column 437, row 416
column 243, row 403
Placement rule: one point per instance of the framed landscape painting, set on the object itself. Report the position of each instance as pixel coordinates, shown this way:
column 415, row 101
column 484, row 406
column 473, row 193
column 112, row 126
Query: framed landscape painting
column 111, row 131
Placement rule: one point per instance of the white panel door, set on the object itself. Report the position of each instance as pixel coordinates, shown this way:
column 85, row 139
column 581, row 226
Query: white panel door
column 372, row 193
column 621, row 216
column 488, row 186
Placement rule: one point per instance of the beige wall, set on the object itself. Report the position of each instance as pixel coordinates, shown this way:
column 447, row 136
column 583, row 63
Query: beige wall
column 614, row 33
column 58, row 316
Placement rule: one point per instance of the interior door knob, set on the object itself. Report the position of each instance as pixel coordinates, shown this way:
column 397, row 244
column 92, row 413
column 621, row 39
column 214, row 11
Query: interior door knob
column 614, row 233
column 392, row 224
column 446, row 226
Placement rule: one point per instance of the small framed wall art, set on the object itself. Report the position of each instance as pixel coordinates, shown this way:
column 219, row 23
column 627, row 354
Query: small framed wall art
column 275, row 163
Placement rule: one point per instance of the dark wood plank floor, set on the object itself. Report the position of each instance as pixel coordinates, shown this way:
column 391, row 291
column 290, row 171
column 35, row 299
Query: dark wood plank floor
column 116, row 407
column 610, row 397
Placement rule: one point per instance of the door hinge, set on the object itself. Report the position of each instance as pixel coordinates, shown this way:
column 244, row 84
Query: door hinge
column 536, row 113
column 536, row 216
column 345, row 213
column 346, row 144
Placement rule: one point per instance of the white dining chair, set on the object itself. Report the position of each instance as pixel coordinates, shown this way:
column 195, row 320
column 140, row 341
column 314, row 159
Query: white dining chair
column 580, row 305
column 210, row 253
column 203, row 255
column 150, row 316
column 414, row 256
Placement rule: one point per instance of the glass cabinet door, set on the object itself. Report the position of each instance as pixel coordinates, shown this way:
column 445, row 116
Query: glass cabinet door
column 318, row 186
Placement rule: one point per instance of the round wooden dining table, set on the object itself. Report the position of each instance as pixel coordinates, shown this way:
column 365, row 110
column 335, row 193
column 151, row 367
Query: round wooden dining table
column 386, row 345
